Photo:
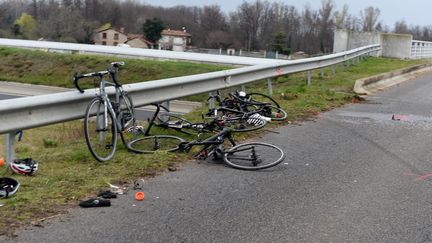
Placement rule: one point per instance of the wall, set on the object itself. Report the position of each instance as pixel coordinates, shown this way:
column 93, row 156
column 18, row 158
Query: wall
column 109, row 41
column 397, row 45
column 393, row 45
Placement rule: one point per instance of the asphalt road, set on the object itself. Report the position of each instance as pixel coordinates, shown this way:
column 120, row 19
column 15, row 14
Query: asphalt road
column 7, row 96
column 141, row 114
column 354, row 174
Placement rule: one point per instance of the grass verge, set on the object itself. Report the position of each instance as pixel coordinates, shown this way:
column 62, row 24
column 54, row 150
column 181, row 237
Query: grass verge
column 68, row 173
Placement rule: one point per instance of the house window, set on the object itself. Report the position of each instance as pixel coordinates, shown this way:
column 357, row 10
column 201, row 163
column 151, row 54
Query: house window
column 116, row 36
column 104, row 35
column 115, row 43
column 104, row 43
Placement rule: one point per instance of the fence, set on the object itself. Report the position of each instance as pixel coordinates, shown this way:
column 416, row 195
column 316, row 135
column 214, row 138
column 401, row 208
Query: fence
column 421, row 49
column 36, row 111
column 233, row 52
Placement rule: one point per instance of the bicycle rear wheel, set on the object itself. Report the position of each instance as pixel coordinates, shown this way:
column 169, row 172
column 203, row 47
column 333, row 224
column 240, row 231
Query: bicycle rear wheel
column 157, row 143
column 129, row 125
column 100, row 130
column 253, row 156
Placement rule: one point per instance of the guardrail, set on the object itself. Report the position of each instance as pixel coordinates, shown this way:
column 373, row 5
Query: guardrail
column 421, row 49
column 133, row 52
column 36, row 111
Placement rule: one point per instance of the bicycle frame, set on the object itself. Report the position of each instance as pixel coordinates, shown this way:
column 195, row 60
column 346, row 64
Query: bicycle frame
column 217, row 139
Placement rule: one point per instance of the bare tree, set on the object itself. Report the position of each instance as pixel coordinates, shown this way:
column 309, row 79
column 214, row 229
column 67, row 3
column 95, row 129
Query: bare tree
column 370, row 18
column 212, row 20
column 249, row 16
column 326, row 25
column 401, row 27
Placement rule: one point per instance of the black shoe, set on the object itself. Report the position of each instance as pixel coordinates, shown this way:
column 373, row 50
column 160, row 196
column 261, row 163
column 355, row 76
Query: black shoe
column 94, row 202
column 107, row 194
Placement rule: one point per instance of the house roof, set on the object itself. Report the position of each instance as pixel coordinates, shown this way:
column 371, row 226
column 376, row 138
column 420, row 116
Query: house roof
column 175, row 33
column 138, row 36
column 100, row 29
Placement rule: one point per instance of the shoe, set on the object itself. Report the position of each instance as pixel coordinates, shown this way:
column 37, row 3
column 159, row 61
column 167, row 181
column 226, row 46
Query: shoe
column 94, row 202
column 107, row 194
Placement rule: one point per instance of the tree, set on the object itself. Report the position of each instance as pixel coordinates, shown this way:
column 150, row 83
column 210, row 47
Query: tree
column 219, row 39
column 249, row 16
column 370, row 18
column 152, row 29
column 26, row 24
column 401, row 27
column 279, row 40
column 326, row 25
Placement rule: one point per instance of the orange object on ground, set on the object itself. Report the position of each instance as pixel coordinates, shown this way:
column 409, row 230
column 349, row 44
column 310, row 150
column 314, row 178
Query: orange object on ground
column 139, row 196
column 2, row 162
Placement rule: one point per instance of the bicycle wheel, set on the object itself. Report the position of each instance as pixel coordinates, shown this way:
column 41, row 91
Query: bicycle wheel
column 157, row 143
column 240, row 124
column 129, row 126
column 253, row 156
column 100, row 130
column 262, row 98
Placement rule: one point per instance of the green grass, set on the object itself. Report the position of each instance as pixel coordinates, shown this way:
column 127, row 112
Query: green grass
column 67, row 171
column 39, row 67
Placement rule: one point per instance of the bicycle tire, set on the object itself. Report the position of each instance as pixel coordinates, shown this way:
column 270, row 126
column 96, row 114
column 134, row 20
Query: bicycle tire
column 262, row 98
column 101, row 136
column 240, row 124
column 253, row 156
column 156, row 143
column 130, row 129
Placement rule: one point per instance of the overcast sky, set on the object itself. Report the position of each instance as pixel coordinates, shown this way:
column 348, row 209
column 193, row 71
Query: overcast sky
column 414, row 12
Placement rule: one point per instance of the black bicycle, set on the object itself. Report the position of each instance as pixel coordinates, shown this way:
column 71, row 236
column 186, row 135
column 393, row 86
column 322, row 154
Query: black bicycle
column 246, row 156
column 251, row 103
column 213, row 121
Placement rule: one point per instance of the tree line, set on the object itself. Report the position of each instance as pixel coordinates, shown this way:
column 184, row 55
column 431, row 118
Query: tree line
column 253, row 25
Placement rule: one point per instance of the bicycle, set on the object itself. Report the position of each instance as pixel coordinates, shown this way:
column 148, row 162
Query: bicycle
column 246, row 156
column 243, row 123
column 105, row 118
column 261, row 104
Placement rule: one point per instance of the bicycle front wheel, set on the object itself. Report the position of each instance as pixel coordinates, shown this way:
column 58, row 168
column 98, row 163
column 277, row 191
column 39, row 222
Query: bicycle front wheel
column 253, row 156
column 100, row 130
column 157, row 143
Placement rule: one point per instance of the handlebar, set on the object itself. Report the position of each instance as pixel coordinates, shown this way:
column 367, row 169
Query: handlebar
column 112, row 71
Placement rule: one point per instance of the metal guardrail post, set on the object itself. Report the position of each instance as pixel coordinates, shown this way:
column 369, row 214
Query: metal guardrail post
column 309, row 77
column 333, row 70
column 166, row 104
column 270, row 87
column 10, row 147
column 322, row 72
column 243, row 88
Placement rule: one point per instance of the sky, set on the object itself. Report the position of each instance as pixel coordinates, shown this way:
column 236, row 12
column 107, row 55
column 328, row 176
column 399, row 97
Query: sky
column 414, row 12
